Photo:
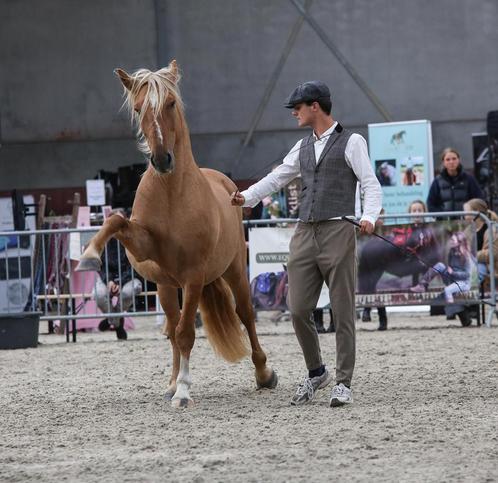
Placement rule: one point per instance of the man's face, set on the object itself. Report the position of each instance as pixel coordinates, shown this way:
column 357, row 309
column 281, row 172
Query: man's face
column 304, row 114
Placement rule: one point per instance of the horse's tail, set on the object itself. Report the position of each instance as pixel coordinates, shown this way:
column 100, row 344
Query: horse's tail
column 221, row 323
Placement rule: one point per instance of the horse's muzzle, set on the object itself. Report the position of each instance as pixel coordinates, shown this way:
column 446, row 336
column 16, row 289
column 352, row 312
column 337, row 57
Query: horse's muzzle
column 163, row 163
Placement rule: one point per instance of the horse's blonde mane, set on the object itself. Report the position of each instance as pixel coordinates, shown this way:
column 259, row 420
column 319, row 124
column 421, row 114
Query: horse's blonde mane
column 159, row 86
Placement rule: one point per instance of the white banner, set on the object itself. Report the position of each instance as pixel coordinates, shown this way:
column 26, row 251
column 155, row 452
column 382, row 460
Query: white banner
column 401, row 154
column 269, row 252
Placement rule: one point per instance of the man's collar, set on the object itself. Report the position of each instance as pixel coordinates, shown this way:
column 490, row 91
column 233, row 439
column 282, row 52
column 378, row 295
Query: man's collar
column 328, row 132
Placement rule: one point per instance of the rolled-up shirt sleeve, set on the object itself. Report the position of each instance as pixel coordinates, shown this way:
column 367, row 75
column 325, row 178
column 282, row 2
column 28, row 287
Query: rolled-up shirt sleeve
column 274, row 181
column 357, row 157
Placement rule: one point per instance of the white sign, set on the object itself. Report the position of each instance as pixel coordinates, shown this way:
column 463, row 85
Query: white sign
column 95, row 192
column 401, row 154
column 269, row 252
column 77, row 241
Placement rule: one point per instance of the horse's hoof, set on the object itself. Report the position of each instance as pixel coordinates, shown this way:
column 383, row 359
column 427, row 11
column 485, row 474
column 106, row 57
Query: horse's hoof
column 182, row 403
column 168, row 395
column 89, row 265
column 270, row 383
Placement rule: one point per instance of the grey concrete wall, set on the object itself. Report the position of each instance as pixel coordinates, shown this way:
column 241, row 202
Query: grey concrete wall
column 59, row 102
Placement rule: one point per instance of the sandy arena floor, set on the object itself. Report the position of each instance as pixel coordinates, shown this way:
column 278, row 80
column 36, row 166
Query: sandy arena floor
column 425, row 409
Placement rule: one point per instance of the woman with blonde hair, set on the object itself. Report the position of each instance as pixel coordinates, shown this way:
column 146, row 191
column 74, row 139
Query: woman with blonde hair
column 453, row 186
column 482, row 235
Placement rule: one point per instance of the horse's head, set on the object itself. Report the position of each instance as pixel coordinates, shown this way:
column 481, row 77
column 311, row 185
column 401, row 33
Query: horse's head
column 156, row 106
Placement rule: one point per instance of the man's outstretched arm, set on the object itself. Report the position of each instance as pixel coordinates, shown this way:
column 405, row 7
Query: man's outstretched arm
column 272, row 182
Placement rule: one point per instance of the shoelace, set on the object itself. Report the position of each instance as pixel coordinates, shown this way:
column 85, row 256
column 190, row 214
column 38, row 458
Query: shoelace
column 338, row 391
column 306, row 388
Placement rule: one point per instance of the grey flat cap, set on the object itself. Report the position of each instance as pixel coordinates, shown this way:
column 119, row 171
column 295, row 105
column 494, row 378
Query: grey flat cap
column 307, row 92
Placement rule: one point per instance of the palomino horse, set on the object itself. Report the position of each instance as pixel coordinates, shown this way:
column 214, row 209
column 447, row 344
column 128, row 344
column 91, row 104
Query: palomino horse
column 183, row 232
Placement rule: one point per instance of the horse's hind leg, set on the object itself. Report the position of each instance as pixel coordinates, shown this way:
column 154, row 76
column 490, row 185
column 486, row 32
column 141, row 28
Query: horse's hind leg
column 237, row 280
column 168, row 297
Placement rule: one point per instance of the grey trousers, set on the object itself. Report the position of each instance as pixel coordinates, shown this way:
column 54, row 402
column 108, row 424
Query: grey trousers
column 104, row 299
column 324, row 252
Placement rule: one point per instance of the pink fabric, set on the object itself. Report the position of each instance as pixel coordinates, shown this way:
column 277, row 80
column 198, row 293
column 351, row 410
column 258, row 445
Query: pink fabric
column 84, row 282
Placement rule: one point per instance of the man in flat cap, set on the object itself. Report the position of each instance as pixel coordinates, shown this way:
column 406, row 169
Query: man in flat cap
column 331, row 161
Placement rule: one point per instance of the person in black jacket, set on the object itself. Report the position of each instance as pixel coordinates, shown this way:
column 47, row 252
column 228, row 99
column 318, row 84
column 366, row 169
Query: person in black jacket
column 115, row 287
column 453, row 187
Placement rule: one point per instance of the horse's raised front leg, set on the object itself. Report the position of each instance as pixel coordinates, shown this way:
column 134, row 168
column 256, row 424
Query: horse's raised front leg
column 236, row 277
column 185, row 337
column 135, row 238
column 168, row 297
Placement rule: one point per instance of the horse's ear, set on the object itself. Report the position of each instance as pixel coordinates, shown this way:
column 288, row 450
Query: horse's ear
column 173, row 71
column 125, row 79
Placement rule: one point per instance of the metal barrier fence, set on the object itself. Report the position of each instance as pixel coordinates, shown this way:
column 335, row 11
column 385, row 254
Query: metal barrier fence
column 486, row 299
column 37, row 274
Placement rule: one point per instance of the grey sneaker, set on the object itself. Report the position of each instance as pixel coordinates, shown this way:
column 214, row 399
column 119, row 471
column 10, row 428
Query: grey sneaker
column 341, row 395
column 306, row 390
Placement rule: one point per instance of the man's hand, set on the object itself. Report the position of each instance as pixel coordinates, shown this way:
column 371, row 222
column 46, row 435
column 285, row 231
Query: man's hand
column 366, row 227
column 237, row 199
column 113, row 288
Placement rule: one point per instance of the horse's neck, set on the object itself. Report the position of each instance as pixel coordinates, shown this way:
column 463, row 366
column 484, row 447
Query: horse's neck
column 183, row 149
column 186, row 168
column 186, row 180
column 185, row 183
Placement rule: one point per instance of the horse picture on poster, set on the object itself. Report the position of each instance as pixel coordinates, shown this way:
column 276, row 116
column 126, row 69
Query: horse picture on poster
column 184, row 233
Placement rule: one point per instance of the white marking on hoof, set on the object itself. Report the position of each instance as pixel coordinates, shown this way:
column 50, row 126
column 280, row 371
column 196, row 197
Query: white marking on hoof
column 182, row 398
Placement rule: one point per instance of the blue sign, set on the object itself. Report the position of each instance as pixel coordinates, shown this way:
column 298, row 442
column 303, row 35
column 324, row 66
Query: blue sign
column 401, row 154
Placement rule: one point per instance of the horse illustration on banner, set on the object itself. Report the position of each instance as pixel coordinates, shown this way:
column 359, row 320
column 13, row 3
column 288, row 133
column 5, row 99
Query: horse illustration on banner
column 398, row 137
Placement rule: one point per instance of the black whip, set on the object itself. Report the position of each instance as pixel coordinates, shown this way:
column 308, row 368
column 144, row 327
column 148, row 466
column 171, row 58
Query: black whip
column 407, row 253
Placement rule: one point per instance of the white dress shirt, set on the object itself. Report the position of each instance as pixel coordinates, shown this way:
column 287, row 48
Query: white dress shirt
column 356, row 156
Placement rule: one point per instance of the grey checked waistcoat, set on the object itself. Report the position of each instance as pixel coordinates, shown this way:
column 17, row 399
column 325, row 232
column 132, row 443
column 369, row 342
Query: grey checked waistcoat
column 329, row 186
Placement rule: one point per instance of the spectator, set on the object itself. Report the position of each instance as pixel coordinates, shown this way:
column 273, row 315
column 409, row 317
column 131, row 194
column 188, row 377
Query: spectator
column 275, row 204
column 115, row 288
column 453, row 187
column 455, row 274
column 476, row 204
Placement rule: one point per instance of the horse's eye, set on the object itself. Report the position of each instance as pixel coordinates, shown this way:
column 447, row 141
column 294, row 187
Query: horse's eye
column 172, row 104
